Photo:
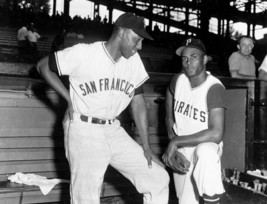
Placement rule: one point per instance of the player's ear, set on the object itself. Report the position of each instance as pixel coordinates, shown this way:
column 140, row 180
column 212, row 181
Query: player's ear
column 121, row 32
column 238, row 46
column 206, row 59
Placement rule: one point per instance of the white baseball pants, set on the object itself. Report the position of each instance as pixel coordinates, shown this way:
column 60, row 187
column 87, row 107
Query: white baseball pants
column 90, row 148
column 204, row 176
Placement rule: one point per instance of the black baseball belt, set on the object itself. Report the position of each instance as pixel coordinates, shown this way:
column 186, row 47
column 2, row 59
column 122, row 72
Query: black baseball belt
column 93, row 120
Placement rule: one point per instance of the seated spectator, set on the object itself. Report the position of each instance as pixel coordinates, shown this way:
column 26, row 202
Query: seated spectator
column 242, row 62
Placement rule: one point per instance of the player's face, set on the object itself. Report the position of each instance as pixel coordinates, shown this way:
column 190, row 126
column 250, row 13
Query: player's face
column 246, row 46
column 193, row 61
column 131, row 43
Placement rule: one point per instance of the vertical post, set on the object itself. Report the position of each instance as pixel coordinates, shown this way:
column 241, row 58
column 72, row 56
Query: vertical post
column 54, row 7
column 96, row 10
column 66, row 7
column 168, row 15
column 150, row 14
column 186, row 19
column 219, row 26
column 110, row 12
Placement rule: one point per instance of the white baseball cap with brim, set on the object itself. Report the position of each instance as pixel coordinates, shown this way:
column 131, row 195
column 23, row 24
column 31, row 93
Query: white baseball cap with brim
column 136, row 23
column 191, row 42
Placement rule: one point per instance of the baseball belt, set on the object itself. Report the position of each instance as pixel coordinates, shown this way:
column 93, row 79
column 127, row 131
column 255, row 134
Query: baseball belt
column 93, row 120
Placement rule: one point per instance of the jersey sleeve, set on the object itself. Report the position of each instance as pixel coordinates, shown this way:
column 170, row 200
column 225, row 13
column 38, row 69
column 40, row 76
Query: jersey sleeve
column 216, row 97
column 233, row 62
column 140, row 72
column 68, row 60
column 264, row 64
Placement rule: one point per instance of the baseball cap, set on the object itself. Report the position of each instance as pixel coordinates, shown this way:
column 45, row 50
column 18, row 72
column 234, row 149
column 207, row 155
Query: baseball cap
column 136, row 23
column 191, row 42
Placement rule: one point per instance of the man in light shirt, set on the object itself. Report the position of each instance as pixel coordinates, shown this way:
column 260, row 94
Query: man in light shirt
column 242, row 62
column 33, row 38
column 22, row 39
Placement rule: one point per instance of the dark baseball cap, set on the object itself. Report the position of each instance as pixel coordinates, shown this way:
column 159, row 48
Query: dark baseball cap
column 191, row 42
column 136, row 23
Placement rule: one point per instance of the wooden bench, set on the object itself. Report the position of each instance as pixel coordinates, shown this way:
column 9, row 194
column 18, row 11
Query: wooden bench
column 31, row 140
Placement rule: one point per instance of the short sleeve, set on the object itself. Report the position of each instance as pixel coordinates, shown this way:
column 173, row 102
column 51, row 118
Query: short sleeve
column 69, row 59
column 234, row 62
column 140, row 73
column 264, row 64
column 216, row 97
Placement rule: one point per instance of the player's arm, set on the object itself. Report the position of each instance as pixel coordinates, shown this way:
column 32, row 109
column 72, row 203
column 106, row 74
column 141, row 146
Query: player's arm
column 216, row 118
column 169, row 103
column 236, row 74
column 50, row 75
column 213, row 133
column 140, row 116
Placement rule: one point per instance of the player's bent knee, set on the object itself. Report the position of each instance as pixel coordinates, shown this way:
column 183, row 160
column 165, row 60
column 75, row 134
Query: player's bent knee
column 162, row 176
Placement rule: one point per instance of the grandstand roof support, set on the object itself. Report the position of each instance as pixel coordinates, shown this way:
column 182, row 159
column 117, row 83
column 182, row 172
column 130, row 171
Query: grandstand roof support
column 96, row 10
column 150, row 14
column 110, row 10
column 54, row 7
column 67, row 7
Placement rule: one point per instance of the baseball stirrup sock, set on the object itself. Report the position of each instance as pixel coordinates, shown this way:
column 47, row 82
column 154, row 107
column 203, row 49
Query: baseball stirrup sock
column 211, row 199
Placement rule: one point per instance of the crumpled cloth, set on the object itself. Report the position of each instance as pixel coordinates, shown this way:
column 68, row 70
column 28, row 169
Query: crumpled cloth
column 45, row 185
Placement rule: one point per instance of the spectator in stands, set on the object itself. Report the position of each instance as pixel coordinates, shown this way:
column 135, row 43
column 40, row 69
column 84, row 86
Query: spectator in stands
column 242, row 62
column 22, row 39
column 58, row 43
column 33, row 37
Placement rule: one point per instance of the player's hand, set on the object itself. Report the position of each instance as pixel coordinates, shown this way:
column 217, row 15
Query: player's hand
column 169, row 152
column 150, row 156
column 175, row 159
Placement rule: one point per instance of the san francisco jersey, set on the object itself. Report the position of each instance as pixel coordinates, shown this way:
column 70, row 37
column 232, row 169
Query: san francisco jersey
column 99, row 86
column 190, row 105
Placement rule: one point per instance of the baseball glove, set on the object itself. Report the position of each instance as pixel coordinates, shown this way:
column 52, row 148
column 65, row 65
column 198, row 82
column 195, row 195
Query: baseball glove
column 179, row 162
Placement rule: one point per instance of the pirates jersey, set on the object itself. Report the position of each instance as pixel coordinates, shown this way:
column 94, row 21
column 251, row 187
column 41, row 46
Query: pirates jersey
column 190, row 105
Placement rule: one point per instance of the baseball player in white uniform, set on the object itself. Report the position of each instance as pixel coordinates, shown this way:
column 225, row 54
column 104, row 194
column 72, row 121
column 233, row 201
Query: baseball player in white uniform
column 195, row 121
column 104, row 78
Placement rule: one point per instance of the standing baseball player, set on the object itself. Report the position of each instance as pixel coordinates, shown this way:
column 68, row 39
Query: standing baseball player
column 104, row 78
column 195, row 122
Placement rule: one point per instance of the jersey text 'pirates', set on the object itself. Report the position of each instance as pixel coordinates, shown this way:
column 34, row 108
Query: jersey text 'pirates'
column 191, row 105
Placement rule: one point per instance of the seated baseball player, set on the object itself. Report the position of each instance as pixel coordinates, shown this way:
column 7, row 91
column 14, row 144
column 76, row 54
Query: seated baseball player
column 195, row 112
column 104, row 78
